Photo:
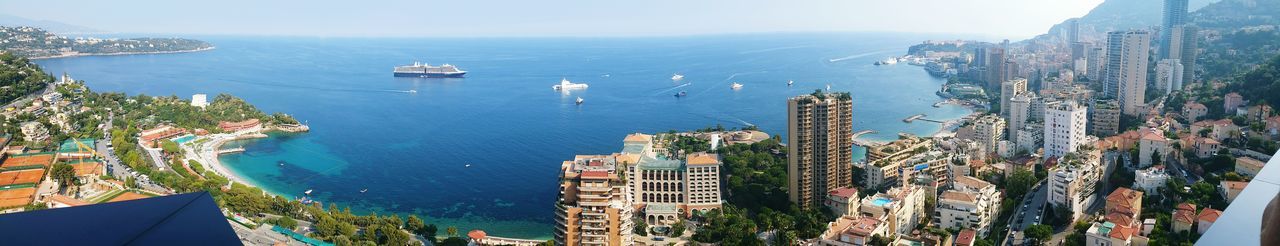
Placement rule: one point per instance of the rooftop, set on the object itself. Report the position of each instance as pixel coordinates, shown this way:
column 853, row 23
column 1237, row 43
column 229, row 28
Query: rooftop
column 958, row 196
column 845, row 192
column 1210, row 215
column 972, row 182
column 703, row 158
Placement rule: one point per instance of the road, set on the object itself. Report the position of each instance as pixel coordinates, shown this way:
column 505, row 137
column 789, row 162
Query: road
column 1028, row 209
column 115, row 167
column 48, row 87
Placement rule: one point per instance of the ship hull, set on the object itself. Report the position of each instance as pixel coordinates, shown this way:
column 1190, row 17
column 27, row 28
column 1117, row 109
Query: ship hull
column 432, row 75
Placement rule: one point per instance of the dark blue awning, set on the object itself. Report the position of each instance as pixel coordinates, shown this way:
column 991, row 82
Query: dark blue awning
column 184, row 219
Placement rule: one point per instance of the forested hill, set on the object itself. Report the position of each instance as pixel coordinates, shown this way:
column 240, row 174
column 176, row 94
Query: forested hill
column 1262, row 84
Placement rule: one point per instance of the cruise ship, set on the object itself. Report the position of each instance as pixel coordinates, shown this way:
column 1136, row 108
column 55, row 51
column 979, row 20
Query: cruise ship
column 428, row 71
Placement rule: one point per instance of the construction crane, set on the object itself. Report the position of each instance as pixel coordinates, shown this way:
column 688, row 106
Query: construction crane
column 81, row 147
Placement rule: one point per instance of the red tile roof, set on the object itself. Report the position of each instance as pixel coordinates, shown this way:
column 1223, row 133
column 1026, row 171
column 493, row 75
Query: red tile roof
column 966, row 237
column 1186, row 213
column 235, row 126
column 845, row 192
column 1210, row 215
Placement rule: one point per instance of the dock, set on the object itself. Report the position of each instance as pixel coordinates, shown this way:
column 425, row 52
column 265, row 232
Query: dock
column 232, row 150
column 921, row 117
column 913, row 118
column 862, row 132
column 864, row 142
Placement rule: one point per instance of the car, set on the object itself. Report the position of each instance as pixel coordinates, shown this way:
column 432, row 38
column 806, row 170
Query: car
column 1037, row 219
column 658, row 239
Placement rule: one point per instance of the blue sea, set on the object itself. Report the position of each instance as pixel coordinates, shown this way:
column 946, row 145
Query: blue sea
column 411, row 149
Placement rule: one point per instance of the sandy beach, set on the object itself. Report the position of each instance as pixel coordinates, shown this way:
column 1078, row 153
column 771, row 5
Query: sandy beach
column 207, row 154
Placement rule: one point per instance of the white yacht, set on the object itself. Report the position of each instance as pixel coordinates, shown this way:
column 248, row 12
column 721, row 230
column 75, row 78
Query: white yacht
column 677, row 77
column 579, row 101
column 735, row 86
column 566, row 85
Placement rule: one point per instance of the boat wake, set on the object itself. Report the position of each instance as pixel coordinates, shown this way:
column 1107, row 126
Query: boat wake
column 731, row 119
column 673, row 88
column 860, row 55
column 774, row 49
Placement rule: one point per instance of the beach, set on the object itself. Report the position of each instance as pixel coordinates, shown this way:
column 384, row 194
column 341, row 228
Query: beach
column 207, row 151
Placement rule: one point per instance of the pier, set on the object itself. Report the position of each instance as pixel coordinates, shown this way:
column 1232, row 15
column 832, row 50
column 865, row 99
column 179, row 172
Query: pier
column 864, row 142
column 232, row 150
column 920, row 117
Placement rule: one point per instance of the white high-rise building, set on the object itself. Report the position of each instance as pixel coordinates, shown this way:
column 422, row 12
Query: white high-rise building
column 199, row 100
column 1007, row 90
column 1019, row 114
column 1126, row 76
column 1064, row 128
column 1169, row 75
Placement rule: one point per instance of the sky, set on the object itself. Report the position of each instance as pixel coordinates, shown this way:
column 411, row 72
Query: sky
column 485, row 18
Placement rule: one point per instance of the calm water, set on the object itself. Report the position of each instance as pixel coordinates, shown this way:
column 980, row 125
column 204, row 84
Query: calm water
column 410, row 149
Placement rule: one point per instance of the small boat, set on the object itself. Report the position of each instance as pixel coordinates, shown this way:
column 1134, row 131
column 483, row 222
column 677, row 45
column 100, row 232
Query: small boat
column 308, row 192
column 467, row 165
column 682, row 94
column 735, row 86
column 364, row 190
column 579, row 101
column 677, row 77
column 789, row 82
column 413, row 91
column 281, row 163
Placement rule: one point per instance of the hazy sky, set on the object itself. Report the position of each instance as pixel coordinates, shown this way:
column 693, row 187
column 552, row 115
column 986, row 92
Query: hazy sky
column 1001, row 18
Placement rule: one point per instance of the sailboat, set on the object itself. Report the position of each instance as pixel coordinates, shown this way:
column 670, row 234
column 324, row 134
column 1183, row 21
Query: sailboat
column 579, row 101
column 735, row 86
column 789, row 82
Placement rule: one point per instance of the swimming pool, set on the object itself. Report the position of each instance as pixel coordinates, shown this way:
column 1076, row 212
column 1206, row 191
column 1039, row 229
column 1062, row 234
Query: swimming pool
column 881, row 201
column 184, row 139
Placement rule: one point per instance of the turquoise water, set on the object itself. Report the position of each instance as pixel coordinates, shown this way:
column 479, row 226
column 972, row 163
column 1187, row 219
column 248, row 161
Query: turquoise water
column 300, row 237
column 184, row 139
column 410, row 150
column 881, row 201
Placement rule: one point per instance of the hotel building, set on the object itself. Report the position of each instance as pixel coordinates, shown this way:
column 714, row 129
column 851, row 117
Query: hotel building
column 666, row 186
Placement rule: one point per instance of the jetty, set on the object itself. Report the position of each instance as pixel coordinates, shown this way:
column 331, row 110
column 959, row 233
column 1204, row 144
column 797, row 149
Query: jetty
column 864, row 142
column 862, row 132
column 913, row 118
column 231, row 150
column 921, row 117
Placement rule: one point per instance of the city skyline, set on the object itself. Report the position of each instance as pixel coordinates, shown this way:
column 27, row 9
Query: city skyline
column 669, row 18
